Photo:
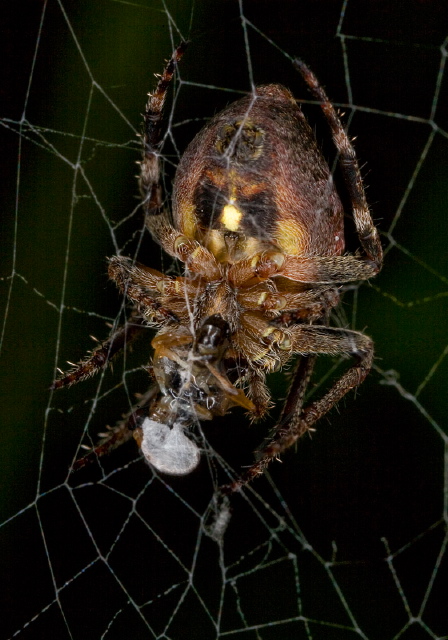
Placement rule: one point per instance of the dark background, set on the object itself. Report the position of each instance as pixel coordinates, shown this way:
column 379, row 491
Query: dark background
column 113, row 548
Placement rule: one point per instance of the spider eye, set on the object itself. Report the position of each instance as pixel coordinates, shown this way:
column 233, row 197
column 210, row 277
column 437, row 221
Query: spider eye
column 169, row 450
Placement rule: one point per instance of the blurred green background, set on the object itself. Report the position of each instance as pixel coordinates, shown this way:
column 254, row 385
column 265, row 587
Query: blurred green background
column 74, row 85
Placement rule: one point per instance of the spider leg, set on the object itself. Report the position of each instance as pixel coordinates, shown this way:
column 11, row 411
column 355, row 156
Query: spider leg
column 118, row 436
column 196, row 257
column 296, row 421
column 258, row 392
column 305, row 307
column 316, row 270
column 327, row 269
column 151, row 191
column 102, row 355
column 140, row 284
column 120, row 433
column 150, row 187
column 367, row 232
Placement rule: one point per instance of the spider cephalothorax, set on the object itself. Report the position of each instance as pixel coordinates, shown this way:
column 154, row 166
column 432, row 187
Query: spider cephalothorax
column 259, row 227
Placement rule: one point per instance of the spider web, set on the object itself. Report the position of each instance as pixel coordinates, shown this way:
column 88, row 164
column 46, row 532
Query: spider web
column 345, row 539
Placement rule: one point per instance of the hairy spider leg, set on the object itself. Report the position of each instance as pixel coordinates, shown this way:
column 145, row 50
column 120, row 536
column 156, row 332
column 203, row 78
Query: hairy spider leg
column 123, row 431
column 296, row 421
column 149, row 181
column 103, row 355
column 367, row 232
column 151, row 193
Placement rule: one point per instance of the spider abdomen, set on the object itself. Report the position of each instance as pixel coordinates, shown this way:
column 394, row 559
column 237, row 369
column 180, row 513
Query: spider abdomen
column 255, row 172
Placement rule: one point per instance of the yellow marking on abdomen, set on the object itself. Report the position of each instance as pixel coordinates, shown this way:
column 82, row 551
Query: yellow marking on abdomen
column 291, row 237
column 231, row 217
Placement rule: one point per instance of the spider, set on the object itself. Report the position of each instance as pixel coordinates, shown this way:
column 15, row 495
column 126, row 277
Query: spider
column 259, row 227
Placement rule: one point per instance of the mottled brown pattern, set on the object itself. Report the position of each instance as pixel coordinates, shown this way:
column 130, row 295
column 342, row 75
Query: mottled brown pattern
column 259, row 228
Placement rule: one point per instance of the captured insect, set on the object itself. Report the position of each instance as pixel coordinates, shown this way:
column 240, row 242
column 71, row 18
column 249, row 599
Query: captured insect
column 258, row 225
